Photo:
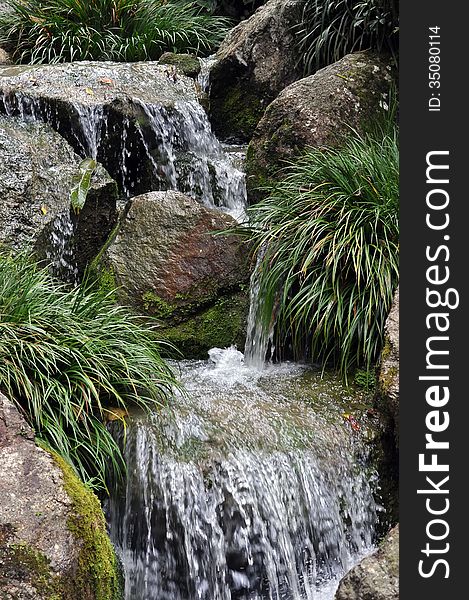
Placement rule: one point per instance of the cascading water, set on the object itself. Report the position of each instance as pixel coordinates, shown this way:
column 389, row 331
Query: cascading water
column 60, row 253
column 243, row 490
column 191, row 159
column 253, row 486
column 177, row 143
column 259, row 335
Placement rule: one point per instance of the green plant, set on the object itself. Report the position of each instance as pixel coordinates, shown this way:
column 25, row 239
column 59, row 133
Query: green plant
column 81, row 184
column 365, row 379
column 50, row 31
column 70, row 359
column 332, row 28
column 327, row 238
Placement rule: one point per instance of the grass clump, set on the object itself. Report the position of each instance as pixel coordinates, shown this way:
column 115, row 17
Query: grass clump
column 330, row 29
column 51, row 31
column 327, row 244
column 69, row 357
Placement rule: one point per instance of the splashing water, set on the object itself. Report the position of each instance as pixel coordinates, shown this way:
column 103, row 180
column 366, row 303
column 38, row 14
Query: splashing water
column 242, row 494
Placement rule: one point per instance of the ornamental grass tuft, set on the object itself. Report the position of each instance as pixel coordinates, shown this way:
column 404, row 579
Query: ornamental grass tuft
column 328, row 241
column 71, row 359
column 51, row 31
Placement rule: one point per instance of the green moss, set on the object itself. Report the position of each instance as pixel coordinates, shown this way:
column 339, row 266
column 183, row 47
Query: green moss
column 387, row 379
column 222, row 324
column 238, row 112
column 263, row 168
column 187, row 64
column 106, row 281
column 20, row 562
column 99, row 272
column 157, row 306
column 98, row 576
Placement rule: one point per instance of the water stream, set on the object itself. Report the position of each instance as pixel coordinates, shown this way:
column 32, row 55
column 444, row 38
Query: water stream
column 253, row 487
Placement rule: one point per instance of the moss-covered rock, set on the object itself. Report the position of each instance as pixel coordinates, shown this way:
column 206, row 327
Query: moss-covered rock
column 170, row 259
column 187, row 64
column 387, row 398
column 221, row 324
column 256, row 61
column 317, row 111
column 53, row 541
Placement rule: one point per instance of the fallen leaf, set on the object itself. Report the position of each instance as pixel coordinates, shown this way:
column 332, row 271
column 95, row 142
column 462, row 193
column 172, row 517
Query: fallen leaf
column 106, row 81
column 44, row 209
column 89, row 91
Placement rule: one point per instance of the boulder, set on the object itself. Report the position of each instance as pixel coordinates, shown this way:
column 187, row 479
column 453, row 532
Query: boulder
column 166, row 262
column 375, row 577
column 255, row 62
column 129, row 116
column 37, row 171
column 53, row 541
column 317, row 111
column 142, row 121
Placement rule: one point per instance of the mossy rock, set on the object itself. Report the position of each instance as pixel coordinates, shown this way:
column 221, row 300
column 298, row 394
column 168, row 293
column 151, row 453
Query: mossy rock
column 238, row 111
column 257, row 60
column 315, row 112
column 222, row 324
column 53, row 540
column 187, row 64
column 173, row 259
column 98, row 576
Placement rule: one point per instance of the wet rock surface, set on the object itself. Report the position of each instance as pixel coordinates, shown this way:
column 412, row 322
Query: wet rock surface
column 388, row 377
column 167, row 262
column 187, row 64
column 100, row 109
column 37, row 171
column 317, row 111
column 255, row 62
column 377, row 576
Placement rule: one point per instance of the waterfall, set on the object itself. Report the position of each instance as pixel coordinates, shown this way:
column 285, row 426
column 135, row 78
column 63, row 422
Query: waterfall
column 206, row 65
column 191, row 158
column 158, row 147
column 259, row 337
column 241, row 495
column 60, row 253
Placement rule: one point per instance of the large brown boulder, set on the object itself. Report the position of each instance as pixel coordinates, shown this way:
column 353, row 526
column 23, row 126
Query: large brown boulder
column 37, row 172
column 375, row 577
column 53, row 541
column 256, row 61
column 168, row 260
column 317, row 111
